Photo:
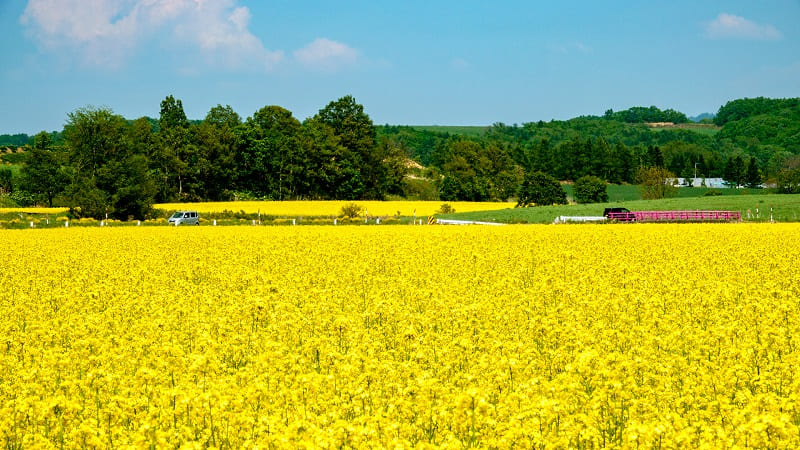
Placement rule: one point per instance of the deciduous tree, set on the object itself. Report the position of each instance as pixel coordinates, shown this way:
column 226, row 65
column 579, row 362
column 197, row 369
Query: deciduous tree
column 107, row 175
column 42, row 174
column 590, row 189
column 540, row 189
column 656, row 182
column 753, row 174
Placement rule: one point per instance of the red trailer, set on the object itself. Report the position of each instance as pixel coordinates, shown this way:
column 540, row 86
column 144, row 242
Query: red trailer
column 623, row 215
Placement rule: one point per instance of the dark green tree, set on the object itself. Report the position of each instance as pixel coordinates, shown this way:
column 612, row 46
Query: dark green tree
column 655, row 158
column 590, row 189
column 211, row 169
column 85, row 199
column 539, row 189
column 127, row 186
column 329, row 171
column 172, row 114
column 42, row 174
column 6, row 180
column 270, row 159
column 735, row 171
column 94, row 136
column 107, row 175
column 752, row 177
column 702, row 168
column 357, row 134
column 169, row 162
column 620, row 167
column 464, row 171
column 460, row 182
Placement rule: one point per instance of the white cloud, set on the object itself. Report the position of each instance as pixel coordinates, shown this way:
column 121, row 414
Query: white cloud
column 223, row 36
column 326, row 55
column 727, row 26
column 105, row 32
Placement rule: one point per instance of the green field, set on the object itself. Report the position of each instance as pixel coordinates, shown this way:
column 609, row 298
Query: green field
column 629, row 192
column 786, row 208
column 701, row 128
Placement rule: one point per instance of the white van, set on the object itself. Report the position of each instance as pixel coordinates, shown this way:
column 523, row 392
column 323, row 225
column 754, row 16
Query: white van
column 184, row 218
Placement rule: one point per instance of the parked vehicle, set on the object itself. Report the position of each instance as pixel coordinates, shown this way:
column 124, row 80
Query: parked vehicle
column 185, row 218
column 619, row 214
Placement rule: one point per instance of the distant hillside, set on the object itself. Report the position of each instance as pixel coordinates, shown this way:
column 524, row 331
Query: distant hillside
column 748, row 107
column 455, row 130
column 14, row 140
column 703, row 116
column 640, row 114
column 762, row 125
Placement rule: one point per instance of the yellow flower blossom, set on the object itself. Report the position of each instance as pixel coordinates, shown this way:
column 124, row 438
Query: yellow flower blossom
column 622, row 336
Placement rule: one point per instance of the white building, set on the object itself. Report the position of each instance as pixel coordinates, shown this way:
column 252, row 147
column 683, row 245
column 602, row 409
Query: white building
column 699, row 182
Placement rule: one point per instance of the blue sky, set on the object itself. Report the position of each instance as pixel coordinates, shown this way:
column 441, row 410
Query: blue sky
column 412, row 62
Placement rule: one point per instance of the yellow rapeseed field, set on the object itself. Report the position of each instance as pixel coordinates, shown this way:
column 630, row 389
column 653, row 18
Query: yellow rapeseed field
column 334, row 207
column 632, row 336
column 35, row 210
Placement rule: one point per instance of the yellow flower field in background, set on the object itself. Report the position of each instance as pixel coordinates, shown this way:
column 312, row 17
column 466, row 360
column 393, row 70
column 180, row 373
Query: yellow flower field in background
column 35, row 210
column 333, row 207
column 651, row 336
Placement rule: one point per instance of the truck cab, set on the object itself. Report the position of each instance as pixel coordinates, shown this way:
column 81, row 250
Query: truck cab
column 619, row 214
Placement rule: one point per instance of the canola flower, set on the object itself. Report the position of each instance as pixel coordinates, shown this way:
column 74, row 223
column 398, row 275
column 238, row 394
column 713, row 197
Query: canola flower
column 623, row 336
column 35, row 210
column 333, row 207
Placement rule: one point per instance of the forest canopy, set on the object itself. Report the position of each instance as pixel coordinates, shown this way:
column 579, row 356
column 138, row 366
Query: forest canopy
column 102, row 163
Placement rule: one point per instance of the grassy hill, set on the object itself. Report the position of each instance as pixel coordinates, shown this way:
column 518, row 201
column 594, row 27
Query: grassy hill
column 702, row 128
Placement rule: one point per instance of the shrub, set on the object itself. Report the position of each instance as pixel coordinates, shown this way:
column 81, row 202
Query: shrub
column 656, row 182
column 7, row 202
column 446, row 208
column 22, row 198
column 539, row 188
column 590, row 189
column 420, row 189
column 789, row 181
column 351, row 210
column 6, row 180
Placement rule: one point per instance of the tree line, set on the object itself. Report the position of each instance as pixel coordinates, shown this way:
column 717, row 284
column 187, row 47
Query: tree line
column 102, row 163
column 107, row 165
column 758, row 140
